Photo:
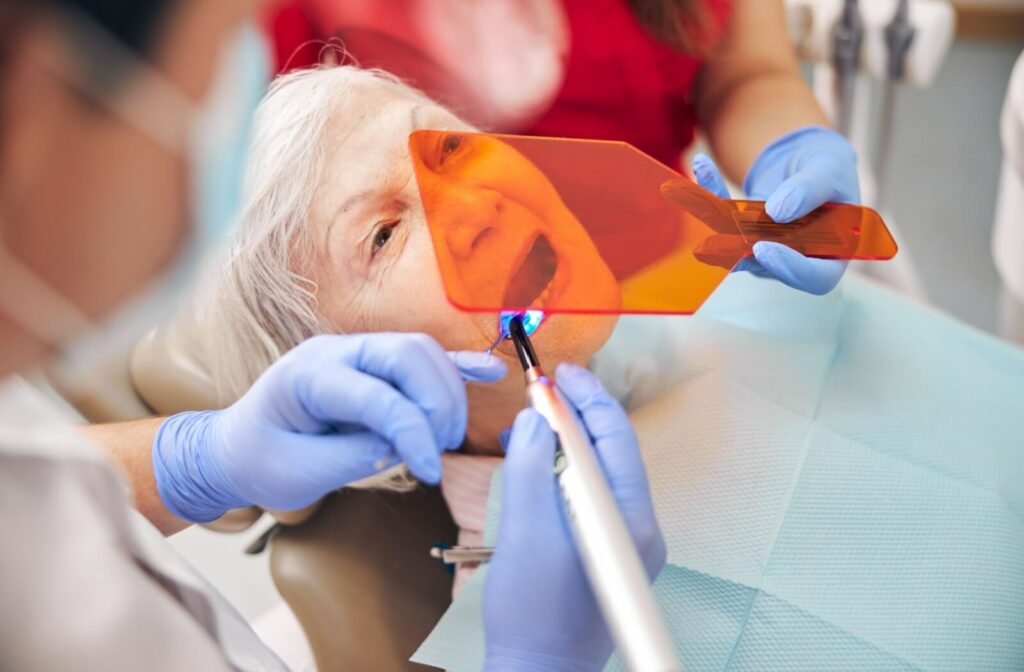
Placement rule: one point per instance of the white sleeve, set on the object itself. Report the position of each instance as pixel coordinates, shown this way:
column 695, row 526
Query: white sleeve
column 74, row 597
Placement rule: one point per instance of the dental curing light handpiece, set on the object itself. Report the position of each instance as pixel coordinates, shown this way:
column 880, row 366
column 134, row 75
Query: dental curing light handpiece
column 610, row 559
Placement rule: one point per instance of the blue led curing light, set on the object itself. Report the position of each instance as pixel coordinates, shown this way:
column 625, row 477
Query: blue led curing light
column 531, row 320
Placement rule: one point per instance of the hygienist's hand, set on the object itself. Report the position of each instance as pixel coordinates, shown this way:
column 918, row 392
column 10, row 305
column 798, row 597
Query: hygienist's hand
column 797, row 173
column 539, row 611
column 334, row 410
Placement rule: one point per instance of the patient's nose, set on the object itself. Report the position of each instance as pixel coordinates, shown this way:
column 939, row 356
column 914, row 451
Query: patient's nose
column 474, row 212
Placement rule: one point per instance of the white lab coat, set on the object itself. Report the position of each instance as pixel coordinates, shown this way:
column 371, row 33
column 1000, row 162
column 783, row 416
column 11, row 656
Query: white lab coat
column 1008, row 235
column 85, row 582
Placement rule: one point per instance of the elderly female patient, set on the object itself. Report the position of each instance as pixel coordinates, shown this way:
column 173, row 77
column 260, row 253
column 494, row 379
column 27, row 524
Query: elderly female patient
column 334, row 240
column 839, row 478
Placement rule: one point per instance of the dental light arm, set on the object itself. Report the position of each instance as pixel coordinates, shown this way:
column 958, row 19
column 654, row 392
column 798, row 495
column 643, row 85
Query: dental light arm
column 610, row 559
column 899, row 37
column 932, row 21
column 847, row 37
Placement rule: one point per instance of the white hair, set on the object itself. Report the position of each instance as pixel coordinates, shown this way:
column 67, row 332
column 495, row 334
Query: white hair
column 256, row 302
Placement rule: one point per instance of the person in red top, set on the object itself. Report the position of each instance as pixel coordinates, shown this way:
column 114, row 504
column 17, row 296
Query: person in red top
column 647, row 72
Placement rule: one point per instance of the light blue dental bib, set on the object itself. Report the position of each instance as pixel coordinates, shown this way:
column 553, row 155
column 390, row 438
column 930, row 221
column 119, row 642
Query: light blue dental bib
column 840, row 481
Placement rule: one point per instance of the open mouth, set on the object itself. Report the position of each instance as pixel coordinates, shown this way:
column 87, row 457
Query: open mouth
column 530, row 285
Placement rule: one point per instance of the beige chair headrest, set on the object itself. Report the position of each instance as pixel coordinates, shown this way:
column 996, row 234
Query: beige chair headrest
column 157, row 377
column 167, row 377
column 103, row 394
column 169, row 380
column 360, row 578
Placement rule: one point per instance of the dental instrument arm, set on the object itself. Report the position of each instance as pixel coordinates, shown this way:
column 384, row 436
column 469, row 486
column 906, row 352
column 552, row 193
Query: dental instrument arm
column 609, row 556
column 899, row 36
column 847, row 41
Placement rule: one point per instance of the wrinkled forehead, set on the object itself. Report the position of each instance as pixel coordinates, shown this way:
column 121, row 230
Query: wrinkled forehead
column 366, row 154
column 370, row 127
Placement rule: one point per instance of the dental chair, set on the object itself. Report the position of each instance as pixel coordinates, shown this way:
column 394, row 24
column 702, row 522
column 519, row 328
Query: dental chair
column 355, row 569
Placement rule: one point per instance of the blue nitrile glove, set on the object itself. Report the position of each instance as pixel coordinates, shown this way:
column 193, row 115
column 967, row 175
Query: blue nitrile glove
column 795, row 174
column 333, row 410
column 539, row 611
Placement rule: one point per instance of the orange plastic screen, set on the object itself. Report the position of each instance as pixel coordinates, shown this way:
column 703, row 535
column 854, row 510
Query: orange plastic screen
column 584, row 226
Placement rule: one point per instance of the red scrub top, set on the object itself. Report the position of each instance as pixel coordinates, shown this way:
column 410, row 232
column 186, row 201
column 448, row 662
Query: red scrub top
column 621, row 82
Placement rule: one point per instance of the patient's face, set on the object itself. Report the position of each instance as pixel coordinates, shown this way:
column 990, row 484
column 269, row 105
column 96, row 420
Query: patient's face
column 502, row 234
column 378, row 270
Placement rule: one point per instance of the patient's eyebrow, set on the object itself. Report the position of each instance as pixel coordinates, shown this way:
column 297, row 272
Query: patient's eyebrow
column 353, row 200
column 347, row 204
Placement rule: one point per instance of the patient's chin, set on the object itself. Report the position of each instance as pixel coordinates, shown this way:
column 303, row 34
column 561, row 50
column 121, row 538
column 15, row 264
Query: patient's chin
column 572, row 338
column 560, row 338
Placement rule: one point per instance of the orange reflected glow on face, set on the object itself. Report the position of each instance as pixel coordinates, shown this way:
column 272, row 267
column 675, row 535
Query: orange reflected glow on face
column 503, row 236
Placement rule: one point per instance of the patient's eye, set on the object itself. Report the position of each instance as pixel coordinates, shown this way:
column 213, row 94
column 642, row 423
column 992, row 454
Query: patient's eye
column 450, row 145
column 383, row 235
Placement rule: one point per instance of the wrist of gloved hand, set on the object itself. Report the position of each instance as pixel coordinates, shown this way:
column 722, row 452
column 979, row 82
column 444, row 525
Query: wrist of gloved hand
column 188, row 479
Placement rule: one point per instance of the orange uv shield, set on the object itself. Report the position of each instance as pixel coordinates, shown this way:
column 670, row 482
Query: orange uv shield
column 583, row 226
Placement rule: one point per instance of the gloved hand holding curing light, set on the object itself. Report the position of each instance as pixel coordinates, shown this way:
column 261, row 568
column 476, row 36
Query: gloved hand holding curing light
column 334, row 410
column 539, row 610
column 795, row 174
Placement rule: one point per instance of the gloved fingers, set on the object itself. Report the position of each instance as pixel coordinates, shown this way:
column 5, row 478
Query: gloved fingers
column 814, row 276
column 478, row 367
column 316, row 464
column 609, row 428
column 813, row 150
column 709, row 176
column 617, row 448
column 753, row 266
column 748, row 264
column 365, row 400
column 529, row 490
column 417, row 366
column 603, row 416
column 821, row 178
column 797, row 196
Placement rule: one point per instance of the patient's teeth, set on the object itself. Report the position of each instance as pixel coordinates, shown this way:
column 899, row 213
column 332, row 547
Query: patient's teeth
column 542, row 299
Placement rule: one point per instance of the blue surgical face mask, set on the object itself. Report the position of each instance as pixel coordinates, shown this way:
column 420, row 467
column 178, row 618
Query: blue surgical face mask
column 222, row 134
column 213, row 137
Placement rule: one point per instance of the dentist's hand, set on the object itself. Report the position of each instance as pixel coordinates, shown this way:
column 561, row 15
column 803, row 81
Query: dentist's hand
column 539, row 611
column 795, row 174
column 334, row 410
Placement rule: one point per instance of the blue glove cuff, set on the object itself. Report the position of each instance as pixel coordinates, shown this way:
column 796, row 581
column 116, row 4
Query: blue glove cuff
column 190, row 484
column 770, row 156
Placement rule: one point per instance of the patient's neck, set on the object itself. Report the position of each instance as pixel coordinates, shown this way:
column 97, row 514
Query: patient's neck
column 492, row 409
